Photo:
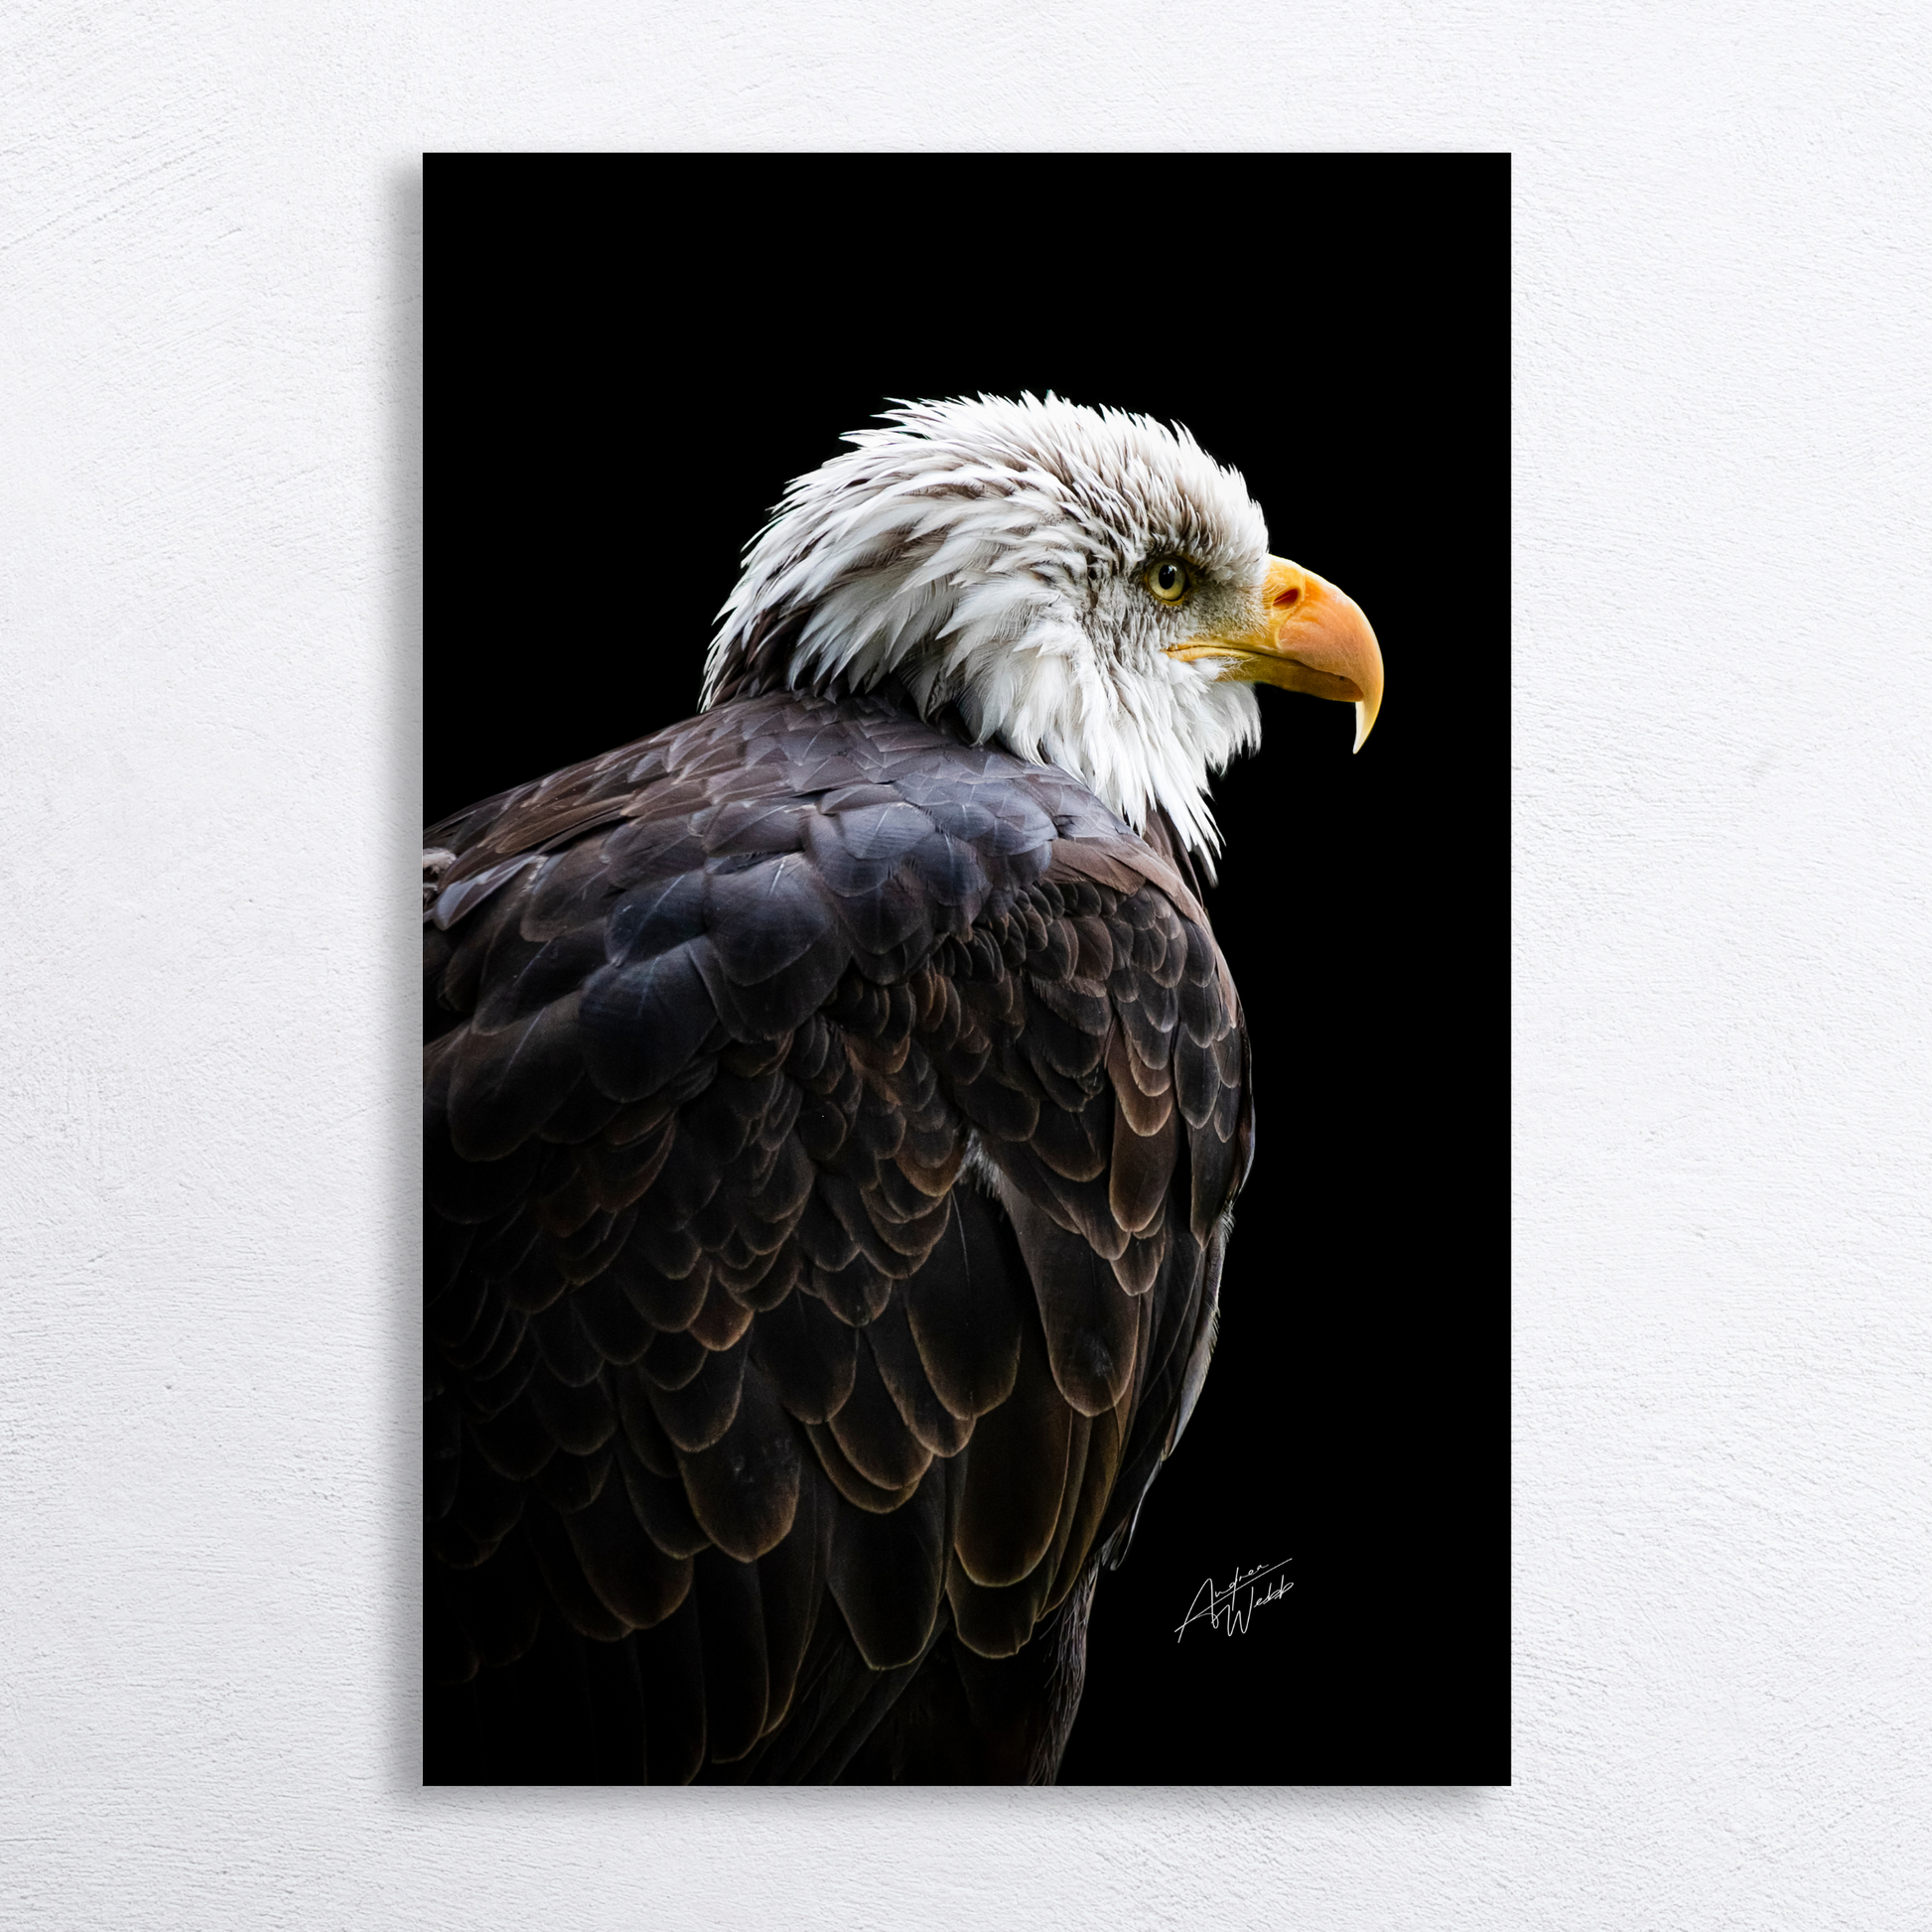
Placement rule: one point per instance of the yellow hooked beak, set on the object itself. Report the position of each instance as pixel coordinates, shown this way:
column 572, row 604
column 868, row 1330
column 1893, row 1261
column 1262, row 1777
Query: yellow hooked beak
column 1309, row 637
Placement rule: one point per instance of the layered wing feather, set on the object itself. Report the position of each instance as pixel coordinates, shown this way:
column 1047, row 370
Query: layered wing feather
column 830, row 1126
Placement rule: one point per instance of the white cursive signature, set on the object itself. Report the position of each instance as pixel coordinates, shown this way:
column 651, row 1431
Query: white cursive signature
column 1238, row 1603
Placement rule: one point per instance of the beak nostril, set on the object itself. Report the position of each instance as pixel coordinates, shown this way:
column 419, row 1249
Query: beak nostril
column 1293, row 595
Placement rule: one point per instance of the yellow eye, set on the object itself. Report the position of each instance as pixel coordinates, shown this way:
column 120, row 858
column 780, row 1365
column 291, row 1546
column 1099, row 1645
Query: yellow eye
column 1168, row 580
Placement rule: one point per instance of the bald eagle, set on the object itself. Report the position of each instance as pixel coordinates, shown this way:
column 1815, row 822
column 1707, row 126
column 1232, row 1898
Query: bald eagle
column 834, row 1109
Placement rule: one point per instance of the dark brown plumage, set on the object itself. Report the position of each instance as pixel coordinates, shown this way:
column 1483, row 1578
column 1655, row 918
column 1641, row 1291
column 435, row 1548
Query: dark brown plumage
column 831, row 1128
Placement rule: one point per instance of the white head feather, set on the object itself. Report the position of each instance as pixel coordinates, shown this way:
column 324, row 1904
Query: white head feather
column 993, row 555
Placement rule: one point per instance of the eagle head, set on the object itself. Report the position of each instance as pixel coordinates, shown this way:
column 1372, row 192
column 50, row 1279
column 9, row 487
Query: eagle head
column 1086, row 588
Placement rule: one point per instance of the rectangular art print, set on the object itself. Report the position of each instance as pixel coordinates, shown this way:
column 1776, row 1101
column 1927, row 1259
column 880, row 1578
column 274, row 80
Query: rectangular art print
column 964, row 902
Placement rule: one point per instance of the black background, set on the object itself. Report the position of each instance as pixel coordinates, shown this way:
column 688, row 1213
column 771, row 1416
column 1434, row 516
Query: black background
column 626, row 359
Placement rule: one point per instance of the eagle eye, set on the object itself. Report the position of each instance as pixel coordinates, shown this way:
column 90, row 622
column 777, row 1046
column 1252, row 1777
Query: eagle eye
column 1168, row 580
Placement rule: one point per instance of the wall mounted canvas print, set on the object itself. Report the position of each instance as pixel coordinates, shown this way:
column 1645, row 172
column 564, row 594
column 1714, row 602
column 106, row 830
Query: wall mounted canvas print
column 964, row 920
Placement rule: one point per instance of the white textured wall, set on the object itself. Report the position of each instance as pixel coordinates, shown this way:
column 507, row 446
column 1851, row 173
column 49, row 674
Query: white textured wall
column 209, row 571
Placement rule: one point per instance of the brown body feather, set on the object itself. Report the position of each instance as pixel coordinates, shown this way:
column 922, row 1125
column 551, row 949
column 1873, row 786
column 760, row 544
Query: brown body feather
column 830, row 1129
